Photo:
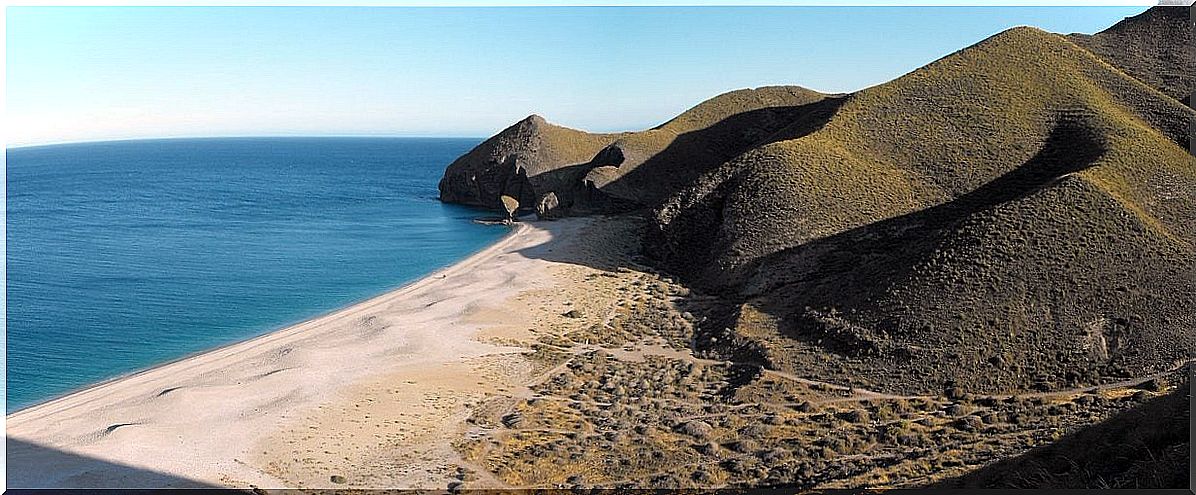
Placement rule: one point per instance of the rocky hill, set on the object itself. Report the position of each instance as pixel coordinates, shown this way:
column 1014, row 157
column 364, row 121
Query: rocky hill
column 1013, row 215
column 1018, row 217
column 564, row 171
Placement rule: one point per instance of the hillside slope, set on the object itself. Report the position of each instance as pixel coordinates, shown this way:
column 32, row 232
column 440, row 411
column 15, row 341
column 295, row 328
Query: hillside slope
column 936, row 277
column 587, row 172
column 645, row 167
column 1145, row 447
column 1154, row 47
column 1015, row 215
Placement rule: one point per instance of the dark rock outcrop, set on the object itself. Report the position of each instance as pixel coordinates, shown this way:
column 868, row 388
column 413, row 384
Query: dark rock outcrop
column 612, row 172
column 532, row 155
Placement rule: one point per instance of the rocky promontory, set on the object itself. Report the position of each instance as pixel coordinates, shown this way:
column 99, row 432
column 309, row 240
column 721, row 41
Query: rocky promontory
column 560, row 171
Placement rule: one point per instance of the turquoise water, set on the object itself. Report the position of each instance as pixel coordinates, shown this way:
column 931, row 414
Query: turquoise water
column 123, row 255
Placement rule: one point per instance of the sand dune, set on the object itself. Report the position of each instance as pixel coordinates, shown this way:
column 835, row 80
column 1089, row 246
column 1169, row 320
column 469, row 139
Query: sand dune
column 307, row 404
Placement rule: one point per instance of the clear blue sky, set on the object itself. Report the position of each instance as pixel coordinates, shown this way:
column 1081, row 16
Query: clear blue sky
column 115, row 73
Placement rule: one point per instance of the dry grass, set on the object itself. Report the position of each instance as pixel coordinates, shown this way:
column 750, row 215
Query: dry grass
column 1015, row 215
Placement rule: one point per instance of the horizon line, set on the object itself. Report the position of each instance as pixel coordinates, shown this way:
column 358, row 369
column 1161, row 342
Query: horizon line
column 240, row 136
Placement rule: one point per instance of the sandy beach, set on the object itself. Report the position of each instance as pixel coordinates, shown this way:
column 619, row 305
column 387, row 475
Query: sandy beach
column 372, row 395
column 552, row 359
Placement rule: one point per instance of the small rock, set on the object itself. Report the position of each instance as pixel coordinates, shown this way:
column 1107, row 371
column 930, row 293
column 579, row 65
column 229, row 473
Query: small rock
column 969, row 423
column 697, row 429
column 512, row 420
column 548, row 207
column 745, row 446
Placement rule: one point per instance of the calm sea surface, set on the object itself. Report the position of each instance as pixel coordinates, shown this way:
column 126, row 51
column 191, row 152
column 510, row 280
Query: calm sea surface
column 123, row 255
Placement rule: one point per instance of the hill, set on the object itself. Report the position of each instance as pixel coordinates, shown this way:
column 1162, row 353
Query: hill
column 1015, row 215
column 532, row 151
column 587, row 172
column 1145, row 447
column 1154, row 47
column 988, row 255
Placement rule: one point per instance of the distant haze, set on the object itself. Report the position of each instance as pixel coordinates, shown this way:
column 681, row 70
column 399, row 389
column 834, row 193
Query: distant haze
column 87, row 73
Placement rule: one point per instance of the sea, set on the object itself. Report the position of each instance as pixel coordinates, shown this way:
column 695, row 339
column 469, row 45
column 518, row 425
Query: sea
column 123, row 255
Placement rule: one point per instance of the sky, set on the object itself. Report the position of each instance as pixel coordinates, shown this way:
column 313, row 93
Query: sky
column 99, row 73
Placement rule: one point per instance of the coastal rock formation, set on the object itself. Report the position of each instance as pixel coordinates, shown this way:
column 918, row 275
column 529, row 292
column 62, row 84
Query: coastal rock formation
column 528, row 157
column 610, row 172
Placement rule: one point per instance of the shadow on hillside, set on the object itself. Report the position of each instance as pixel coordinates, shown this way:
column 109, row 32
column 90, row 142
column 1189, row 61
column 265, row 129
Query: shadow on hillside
column 577, row 196
column 851, row 268
column 688, row 156
column 678, row 165
column 694, row 153
column 33, row 468
column 1147, row 446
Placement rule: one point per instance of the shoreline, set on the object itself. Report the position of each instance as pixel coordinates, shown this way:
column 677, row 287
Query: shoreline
column 214, row 419
column 516, row 228
column 532, row 366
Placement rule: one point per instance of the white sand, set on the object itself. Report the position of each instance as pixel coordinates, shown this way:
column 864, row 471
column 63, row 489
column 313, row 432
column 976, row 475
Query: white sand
column 374, row 392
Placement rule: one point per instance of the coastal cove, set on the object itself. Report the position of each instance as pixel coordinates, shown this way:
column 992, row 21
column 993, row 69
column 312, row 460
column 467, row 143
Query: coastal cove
column 788, row 248
column 127, row 255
